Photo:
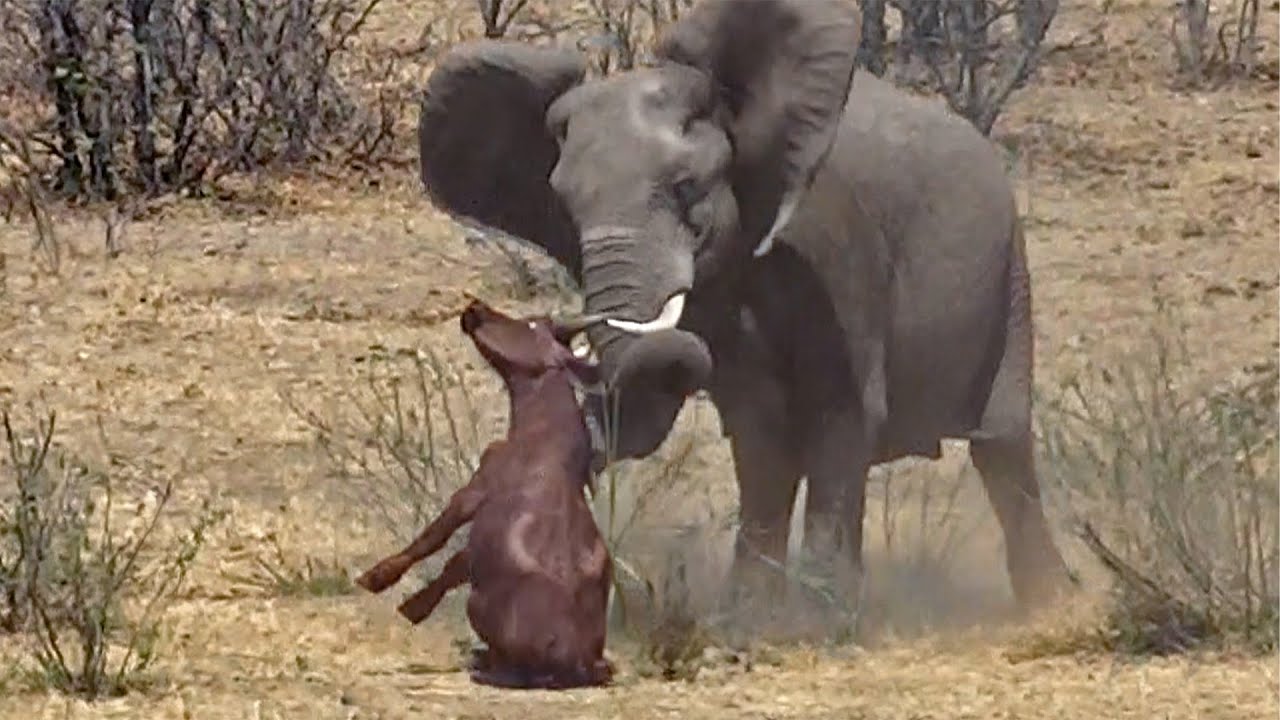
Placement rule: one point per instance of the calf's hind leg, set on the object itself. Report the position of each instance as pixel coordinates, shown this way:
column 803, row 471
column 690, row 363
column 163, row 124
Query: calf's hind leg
column 418, row 606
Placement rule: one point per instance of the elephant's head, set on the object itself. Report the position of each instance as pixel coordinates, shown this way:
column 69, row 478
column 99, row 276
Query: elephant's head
column 650, row 184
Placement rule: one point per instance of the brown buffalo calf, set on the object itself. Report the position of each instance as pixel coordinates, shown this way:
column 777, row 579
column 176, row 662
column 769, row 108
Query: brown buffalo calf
column 538, row 567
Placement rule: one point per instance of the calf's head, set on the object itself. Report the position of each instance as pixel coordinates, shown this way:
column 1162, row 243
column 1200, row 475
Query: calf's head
column 525, row 349
column 651, row 185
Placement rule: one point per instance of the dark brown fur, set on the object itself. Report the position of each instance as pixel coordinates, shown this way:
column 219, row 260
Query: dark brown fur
column 537, row 565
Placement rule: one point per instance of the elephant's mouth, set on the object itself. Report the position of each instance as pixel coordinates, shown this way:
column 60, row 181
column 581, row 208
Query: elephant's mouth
column 648, row 378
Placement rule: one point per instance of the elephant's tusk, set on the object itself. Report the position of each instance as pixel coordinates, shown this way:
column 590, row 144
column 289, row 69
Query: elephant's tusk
column 785, row 211
column 666, row 320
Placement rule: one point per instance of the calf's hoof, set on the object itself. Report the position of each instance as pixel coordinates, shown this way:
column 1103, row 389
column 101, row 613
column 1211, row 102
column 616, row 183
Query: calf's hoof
column 383, row 575
column 419, row 606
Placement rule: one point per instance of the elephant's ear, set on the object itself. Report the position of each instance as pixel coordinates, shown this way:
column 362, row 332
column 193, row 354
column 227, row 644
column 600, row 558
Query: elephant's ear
column 785, row 68
column 484, row 149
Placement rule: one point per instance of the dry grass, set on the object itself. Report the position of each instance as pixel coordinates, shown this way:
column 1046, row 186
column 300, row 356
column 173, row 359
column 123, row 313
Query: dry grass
column 185, row 342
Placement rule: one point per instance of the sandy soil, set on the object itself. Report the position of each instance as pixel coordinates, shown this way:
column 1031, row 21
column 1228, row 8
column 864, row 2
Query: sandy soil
column 184, row 344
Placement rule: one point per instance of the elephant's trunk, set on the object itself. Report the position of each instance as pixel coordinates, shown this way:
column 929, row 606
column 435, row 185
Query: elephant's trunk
column 649, row 365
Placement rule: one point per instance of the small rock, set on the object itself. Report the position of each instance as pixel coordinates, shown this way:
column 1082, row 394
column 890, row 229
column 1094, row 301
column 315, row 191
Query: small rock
column 1192, row 228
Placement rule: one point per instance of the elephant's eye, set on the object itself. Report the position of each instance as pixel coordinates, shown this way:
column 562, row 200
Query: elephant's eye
column 686, row 194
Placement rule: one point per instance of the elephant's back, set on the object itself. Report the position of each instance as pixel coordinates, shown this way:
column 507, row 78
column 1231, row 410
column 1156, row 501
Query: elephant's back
column 913, row 160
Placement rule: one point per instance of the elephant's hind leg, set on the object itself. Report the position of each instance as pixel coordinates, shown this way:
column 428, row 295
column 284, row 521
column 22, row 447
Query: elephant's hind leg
column 1036, row 570
column 1003, row 453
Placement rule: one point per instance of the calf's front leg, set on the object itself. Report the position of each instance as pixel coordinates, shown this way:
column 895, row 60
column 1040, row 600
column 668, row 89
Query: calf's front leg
column 461, row 508
column 419, row 606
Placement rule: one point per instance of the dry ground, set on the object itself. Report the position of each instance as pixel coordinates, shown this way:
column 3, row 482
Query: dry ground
column 183, row 345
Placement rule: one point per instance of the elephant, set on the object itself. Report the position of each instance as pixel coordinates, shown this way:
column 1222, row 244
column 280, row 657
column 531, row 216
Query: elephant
column 837, row 263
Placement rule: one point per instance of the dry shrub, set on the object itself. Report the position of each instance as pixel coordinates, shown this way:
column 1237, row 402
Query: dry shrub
column 153, row 96
column 1173, row 490
column 616, row 34
column 975, row 53
column 665, row 519
column 1206, row 52
column 83, row 570
column 22, row 194
column 619, row 33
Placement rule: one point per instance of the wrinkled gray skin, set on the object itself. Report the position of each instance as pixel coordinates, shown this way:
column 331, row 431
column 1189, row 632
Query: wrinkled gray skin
column 890, row 310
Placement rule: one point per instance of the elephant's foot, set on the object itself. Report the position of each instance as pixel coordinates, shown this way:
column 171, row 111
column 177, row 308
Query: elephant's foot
column 754, row 607
column 777, row 604
column 1039, row 576
column 826, row 600
column 1036, row 570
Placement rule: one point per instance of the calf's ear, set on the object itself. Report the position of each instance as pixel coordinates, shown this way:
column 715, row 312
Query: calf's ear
column 484, row 150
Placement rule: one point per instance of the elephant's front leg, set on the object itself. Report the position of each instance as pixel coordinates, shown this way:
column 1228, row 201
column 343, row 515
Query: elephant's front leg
column 768, row 475
column 837, row 459
column 767, row 464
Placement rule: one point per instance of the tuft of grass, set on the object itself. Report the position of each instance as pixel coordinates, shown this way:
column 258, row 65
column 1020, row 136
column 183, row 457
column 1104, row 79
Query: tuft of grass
column 656, row 584
column 676, row 641
column 279, row 574
column 921, row 522
column 1171, row 488
column 86, row 576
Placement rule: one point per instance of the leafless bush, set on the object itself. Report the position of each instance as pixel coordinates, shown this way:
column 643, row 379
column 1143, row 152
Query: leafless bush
column 1201, row 53
column 90, row 591
column 22, row 194
column 1174, row 492
column 498, row 15
column 157, row 95
column 976, row 53
column 619, row 33
column 402, row 441
column 615, row 34
column 631, row 499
